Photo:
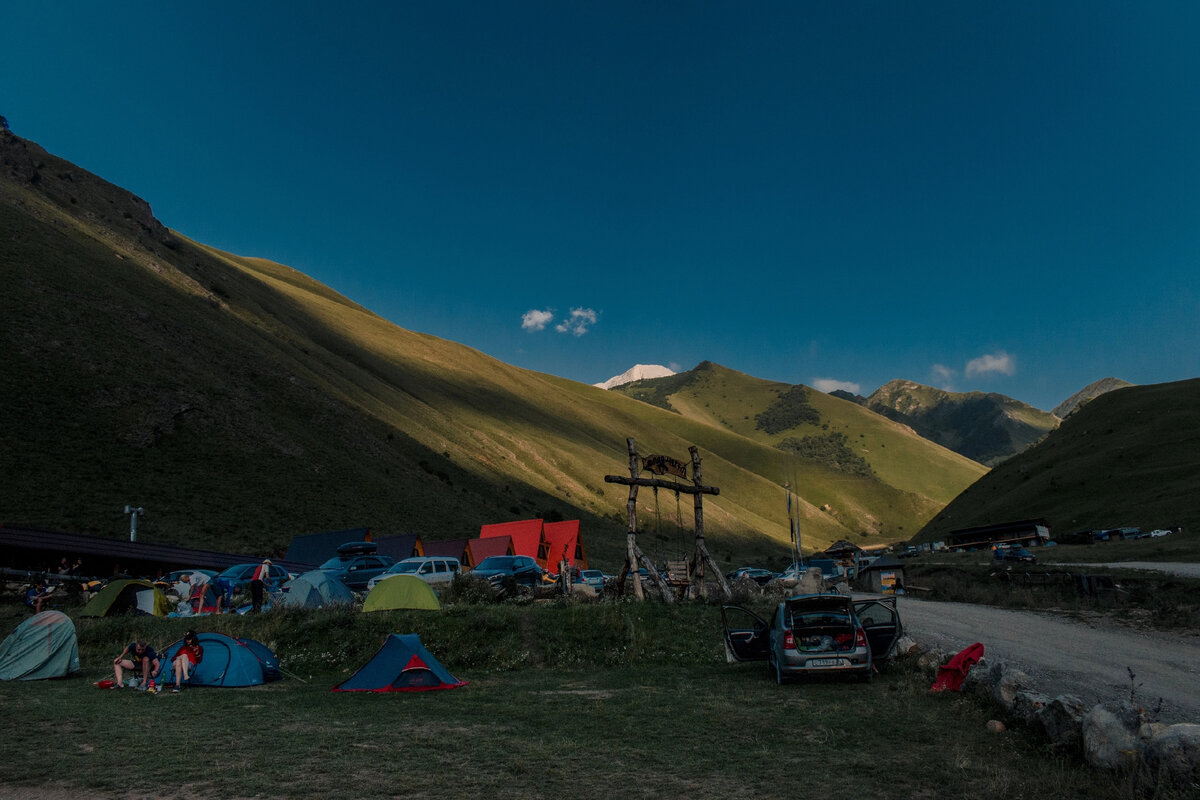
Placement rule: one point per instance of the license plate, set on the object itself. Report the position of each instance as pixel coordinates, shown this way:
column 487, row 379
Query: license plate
column 824, row 662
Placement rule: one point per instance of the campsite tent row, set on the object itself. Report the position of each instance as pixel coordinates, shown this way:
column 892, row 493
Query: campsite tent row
column 547, row 542
column 45, row 646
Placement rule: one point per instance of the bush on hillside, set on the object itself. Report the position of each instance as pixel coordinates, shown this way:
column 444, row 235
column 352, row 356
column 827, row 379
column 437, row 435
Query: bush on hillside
column 831, row 450
column 789, row 410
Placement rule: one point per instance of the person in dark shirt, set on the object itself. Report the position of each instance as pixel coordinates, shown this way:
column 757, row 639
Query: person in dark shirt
column 137, row 655
column 36, row 597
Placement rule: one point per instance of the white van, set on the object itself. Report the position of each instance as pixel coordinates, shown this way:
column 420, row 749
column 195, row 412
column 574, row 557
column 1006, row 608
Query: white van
column 431, row 569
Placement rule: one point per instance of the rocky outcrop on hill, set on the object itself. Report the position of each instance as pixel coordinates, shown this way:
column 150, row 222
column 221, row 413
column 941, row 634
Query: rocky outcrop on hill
column 986, row 427
column 80, row 193
column 1087, row 393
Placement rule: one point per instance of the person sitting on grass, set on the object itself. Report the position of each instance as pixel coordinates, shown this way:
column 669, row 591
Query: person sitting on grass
column 191, row 652
column 137, row 654
column 37, row 596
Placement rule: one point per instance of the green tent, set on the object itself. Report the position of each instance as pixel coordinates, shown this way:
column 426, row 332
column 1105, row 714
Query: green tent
column 42, row 646
column 401, row 591
column 127, row 597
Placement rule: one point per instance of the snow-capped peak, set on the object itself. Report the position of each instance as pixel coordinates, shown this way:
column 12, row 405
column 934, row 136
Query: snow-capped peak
column 638, row 373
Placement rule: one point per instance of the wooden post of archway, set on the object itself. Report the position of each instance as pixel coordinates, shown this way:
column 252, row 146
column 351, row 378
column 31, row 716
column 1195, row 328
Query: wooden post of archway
column 702, row 558
column 633, row 554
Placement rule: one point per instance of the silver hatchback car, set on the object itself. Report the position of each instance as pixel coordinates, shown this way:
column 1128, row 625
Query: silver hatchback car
column 816, row 634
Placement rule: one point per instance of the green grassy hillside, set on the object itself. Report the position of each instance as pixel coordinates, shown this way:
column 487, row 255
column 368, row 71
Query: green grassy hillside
column 734, row 401
column 242, row 403
column 1126, row 458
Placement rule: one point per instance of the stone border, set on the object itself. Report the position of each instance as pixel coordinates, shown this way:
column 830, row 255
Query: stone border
column 1111, row 736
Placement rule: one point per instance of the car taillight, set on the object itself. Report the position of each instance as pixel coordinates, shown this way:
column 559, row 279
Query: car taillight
column 860, row 638
column 789, row 641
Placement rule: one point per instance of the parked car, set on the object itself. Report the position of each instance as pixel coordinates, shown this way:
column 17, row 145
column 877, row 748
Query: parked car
column 356, row 571
column 593, row 578
column 431, row 569
column 522, row 569
column 1015, row 554
column 1155, row 534
column 240, row 574
column 757, row 574
column 816, row 634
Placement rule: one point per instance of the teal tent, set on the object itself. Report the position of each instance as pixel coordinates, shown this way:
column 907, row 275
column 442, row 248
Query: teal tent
column 316, row 589
column 42, row 646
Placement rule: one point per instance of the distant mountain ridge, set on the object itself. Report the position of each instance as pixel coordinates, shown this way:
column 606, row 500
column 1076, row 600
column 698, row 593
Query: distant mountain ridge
column 809, row 426
column 985, row 427
column 638, row 372
column 1088, row 393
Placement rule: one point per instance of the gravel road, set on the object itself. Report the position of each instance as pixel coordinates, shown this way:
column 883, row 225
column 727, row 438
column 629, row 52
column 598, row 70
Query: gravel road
column 1186, row 570
column 1064, row 656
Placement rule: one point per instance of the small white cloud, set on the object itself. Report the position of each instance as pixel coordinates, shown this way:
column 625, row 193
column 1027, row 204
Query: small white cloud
column 1000, row 362
column 535, row 320
column 579, row 323
column 942, row 375
column 828, row 385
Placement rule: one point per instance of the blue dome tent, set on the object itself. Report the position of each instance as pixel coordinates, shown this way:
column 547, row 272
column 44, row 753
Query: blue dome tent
column 227, row 662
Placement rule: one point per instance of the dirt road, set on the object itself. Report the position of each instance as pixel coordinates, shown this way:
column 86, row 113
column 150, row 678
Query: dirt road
column 1068, row 657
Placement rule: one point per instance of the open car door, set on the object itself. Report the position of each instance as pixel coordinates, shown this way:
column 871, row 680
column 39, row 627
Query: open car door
column 746, row 635
column 881, row 622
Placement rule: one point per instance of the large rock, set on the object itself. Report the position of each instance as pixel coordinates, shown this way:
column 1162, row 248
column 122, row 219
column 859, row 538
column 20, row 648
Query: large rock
column 1110, row 735
column 811, row 582
column 1175, row 752
column 1061, row 720
column 1027, row 705
column 997, row 682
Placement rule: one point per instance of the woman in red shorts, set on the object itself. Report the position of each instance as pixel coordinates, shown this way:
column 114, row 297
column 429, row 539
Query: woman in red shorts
column 189, row 655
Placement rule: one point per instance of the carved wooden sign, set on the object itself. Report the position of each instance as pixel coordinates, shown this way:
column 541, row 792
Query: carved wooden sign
column 664, row 465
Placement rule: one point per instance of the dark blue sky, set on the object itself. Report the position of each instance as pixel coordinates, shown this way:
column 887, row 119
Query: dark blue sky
column 1002, row 197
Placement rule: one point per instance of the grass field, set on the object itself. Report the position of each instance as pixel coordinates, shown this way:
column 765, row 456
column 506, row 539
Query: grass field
column 563, row 699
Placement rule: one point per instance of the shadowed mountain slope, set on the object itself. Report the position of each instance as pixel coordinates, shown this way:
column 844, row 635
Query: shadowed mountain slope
column 1127, row 458
column 241, row 403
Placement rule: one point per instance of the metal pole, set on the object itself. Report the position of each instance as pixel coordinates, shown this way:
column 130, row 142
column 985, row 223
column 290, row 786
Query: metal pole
column 133, row 520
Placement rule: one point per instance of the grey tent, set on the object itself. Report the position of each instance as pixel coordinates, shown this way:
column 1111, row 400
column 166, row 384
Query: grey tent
column 316, row 589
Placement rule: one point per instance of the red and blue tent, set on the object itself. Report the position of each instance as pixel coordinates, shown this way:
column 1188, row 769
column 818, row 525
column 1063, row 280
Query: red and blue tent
column 401, row 665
